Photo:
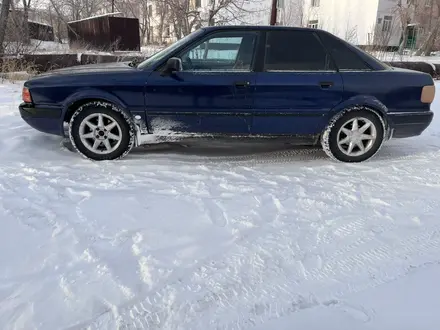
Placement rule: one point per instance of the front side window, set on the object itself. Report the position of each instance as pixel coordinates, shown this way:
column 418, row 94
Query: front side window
column 295, row 51
column 221, row 53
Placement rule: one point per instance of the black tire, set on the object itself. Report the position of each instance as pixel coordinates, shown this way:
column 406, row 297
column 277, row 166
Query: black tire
column 126, row 130
column 329, row 138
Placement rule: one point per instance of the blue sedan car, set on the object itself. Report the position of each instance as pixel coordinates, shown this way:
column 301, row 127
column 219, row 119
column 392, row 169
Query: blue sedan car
column 300, row 85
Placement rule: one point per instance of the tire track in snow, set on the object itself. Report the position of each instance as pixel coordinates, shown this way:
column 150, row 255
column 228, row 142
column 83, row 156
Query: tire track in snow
column 169, row 293
column 163, row 309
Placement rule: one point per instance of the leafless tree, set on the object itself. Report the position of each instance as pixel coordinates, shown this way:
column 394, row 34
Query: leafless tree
column 292, row 13
column 4, row 14
column 427, row 46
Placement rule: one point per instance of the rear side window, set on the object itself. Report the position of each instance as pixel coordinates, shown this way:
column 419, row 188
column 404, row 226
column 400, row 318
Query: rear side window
column 344, row 57
column 295, row 51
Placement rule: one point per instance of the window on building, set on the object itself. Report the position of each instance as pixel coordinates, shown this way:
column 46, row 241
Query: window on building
column 313, row 24
column 221, row 53
column 150, row 10
column 345, row 59
column 315, row 3
column 387, row 21
column 295, row 51
column 280, row 4
column 198, row 3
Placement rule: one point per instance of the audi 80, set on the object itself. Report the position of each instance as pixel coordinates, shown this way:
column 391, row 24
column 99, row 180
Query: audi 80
column 300, row 85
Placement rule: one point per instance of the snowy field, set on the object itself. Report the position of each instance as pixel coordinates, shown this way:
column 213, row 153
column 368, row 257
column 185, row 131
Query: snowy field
column 189, row 239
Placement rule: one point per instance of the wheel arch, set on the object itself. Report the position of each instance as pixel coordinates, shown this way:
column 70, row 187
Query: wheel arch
column 363, row 102
column 80, row 98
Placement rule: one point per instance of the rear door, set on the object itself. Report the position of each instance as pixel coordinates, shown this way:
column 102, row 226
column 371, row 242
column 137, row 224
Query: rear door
column 298, row 85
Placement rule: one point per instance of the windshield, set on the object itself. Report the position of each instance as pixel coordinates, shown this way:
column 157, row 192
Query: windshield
column 168, row 50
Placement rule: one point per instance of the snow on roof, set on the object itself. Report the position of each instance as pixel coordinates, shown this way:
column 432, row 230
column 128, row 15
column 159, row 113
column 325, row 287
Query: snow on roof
column 31, row 21
column 97, row 16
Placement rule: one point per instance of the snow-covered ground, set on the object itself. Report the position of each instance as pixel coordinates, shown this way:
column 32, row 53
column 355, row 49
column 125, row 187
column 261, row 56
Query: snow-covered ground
column 53, row 47
column 395, row 57
column 173, row 238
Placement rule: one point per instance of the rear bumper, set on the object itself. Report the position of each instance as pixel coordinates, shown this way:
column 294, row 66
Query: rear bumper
column 404, row 125
column 44, row 119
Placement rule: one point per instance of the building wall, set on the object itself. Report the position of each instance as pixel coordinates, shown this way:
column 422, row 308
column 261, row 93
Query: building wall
column 352, row 20
column 389, row 25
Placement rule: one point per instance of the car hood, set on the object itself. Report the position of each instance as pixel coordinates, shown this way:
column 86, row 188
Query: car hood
column 90, row 68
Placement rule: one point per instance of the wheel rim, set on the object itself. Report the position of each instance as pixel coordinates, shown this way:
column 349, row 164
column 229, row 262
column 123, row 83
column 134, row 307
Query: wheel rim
column 357, row 136
column 100, row 133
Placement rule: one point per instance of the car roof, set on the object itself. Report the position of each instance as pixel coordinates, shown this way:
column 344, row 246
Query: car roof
column 257, row 27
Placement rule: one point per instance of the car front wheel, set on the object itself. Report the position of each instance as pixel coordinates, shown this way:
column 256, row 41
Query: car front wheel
column 99, row 131
column 354, row 136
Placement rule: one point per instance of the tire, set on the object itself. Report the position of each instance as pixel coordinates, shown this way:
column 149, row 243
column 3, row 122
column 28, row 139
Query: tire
column 100, row 131
column 341, row 135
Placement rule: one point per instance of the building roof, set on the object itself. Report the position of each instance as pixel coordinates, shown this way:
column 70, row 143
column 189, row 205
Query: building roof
column 97, row 16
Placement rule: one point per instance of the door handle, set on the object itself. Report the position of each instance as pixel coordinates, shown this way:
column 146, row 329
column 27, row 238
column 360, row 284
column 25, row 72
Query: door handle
column 242, row 84
column 326, row 84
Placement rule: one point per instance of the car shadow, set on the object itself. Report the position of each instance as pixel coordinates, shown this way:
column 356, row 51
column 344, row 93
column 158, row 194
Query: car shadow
column 264, row 152
column 392, row 150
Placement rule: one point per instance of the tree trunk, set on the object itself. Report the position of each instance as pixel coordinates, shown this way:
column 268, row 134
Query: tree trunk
column 26, row 36
column 404, row 40
column 4, row 13
column 427, row 46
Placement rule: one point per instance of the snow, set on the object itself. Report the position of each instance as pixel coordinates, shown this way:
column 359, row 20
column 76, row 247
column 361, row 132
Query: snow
column 395, row 57
column 96, row 16
column 225, row 238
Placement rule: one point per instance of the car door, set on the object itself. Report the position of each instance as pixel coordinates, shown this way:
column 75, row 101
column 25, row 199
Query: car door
column 297, row 86
column 213, row 91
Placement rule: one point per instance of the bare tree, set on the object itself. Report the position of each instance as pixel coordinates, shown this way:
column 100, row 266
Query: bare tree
column 405, row 10
column 221, row 12
column 292, row 13
column 427, row 46
column 4, row 14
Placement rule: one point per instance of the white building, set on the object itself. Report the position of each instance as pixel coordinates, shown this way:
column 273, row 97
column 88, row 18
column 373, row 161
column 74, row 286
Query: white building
column 361, row 22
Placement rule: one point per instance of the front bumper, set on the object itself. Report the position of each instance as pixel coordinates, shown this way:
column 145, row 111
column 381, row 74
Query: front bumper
column 408, row 124
column 44, row 119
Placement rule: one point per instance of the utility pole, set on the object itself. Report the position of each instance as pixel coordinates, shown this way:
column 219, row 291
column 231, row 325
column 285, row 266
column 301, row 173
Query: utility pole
column 273, row 13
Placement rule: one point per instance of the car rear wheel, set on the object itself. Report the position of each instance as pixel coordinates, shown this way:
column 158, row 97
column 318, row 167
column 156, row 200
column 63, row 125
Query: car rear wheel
column 99, row 132
column 354, row 136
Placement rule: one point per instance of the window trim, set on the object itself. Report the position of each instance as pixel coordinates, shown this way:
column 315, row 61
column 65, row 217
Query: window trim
column 221, row 34
column 329, row 57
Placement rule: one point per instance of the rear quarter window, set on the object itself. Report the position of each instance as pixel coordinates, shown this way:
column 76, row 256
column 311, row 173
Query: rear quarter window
column 345, row 59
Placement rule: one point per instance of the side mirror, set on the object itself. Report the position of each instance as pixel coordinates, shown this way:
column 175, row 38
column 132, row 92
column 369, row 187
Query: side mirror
column 173, row 65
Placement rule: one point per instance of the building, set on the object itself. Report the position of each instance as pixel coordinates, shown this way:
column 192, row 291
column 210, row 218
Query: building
column 361, row 22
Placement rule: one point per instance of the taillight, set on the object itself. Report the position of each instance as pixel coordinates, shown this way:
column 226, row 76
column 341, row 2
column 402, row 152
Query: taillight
column 428, row 94
column 26, row 95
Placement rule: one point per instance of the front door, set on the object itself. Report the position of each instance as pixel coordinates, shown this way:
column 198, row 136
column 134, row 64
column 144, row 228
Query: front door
column 297, row 87
column 213, row 92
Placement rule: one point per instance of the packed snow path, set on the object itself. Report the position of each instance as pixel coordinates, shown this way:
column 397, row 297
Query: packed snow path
column 196, row 239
